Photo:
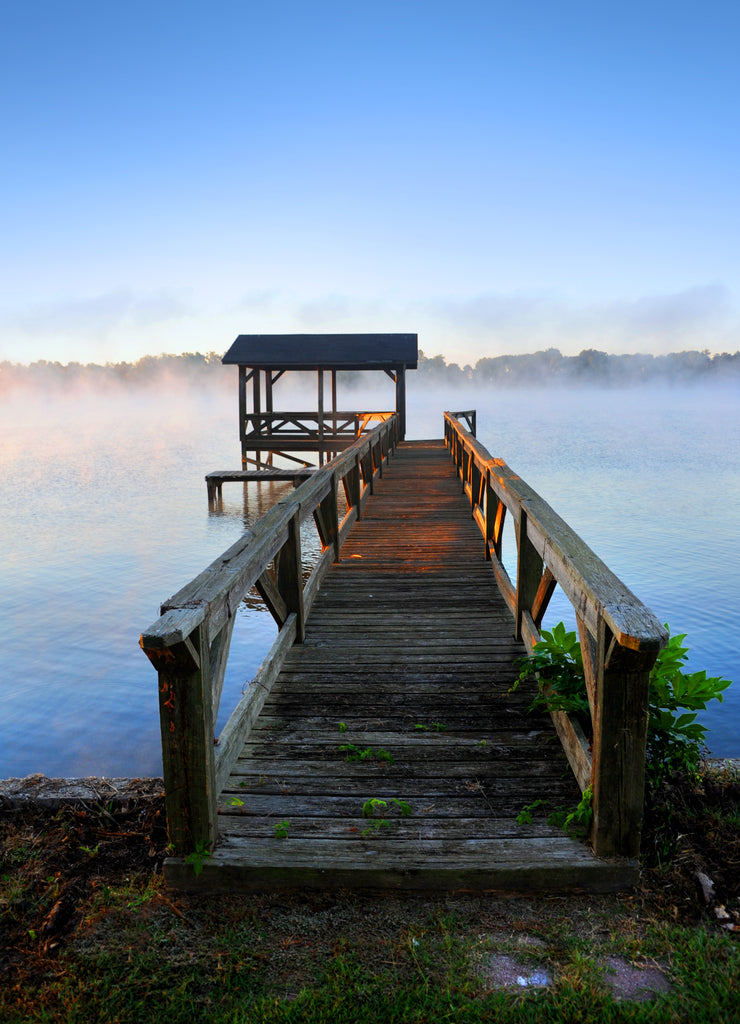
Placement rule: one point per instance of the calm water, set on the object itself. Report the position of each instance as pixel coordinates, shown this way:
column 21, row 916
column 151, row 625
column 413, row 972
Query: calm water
column 104, row 515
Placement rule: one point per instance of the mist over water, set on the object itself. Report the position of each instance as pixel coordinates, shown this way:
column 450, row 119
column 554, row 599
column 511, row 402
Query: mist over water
column 104, row 515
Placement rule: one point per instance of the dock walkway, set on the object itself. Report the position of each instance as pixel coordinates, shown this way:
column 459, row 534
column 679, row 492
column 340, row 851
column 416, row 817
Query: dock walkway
column 398, row 703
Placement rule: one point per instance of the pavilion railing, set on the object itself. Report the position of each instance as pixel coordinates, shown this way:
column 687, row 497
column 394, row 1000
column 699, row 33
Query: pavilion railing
column 291, row 425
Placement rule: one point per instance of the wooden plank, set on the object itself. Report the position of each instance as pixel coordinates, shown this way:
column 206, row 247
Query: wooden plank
column 491, row 866
column 221, row 476
column 400, row 830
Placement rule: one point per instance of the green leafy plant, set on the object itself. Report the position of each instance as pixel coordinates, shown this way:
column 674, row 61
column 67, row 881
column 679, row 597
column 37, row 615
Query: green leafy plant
column 198, row 857
column 375, row 805
column 355, row 753
column 557, row 664
column 369, row 809
column 577, row 820
column 342, row 726
column 372, row 805
column 675, row 739
column 524, row 817
column 573, row 821
column 403, row 807
column 280, row 829
column 235, row 802
column 375, row 826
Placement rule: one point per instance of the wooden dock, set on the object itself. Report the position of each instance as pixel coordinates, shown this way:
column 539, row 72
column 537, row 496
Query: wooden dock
column 384, row 749
column 408, row 655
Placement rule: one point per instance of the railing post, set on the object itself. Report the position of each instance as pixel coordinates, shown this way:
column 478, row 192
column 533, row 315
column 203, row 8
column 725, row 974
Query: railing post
column 289, row 574
column 528, row 573
column 620, row 734
column 186, row 725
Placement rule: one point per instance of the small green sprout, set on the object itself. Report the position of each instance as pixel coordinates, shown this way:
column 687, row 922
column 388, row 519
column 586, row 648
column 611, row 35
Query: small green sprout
column 371, row 806
column 198, row 857
column 375, row 826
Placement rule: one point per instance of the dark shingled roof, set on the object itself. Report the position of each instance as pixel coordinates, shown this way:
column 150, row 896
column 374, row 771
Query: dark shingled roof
column 324, row 351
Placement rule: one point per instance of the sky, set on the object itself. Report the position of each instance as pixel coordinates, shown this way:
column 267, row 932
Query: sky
column 499, row 177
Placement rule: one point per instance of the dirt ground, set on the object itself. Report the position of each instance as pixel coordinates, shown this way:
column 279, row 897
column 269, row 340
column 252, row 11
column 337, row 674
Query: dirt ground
column 76, row 850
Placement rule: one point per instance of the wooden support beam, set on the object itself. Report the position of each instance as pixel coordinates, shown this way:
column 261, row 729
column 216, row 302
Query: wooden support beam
column 327, row 520
column 219, row 656
column 289, row 574
column 545, row 590
column 270, row 594
column 529, row 573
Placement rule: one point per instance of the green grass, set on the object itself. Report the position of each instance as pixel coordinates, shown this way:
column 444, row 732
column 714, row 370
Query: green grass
column 134, row 951
column 141, row 954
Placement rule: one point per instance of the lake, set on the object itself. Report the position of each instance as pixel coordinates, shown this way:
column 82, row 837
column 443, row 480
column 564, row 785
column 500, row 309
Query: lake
column 104, row 515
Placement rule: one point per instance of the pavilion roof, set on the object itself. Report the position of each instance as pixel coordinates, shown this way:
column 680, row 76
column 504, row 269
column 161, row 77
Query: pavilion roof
column 324, row 351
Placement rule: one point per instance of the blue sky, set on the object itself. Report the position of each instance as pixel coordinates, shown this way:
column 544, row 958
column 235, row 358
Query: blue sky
column 498, row 177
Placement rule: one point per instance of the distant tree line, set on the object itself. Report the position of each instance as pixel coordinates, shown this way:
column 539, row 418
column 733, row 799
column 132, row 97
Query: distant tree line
column 547, row 367
column 589, row 367
column 149, row 371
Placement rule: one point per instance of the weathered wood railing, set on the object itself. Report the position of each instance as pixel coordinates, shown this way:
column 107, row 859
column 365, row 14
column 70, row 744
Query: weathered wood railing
column 310, row 425
column 620, row 637
column 189, row 643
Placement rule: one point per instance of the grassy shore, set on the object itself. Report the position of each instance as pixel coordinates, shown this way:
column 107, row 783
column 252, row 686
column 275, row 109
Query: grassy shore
column 90, row 933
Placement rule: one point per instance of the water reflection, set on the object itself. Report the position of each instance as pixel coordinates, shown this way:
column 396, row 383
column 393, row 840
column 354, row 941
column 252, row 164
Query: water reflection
column 105, row 515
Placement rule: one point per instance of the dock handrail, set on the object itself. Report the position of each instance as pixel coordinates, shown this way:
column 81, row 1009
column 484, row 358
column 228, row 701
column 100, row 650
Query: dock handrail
column 189, row 643
column 620, row 637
